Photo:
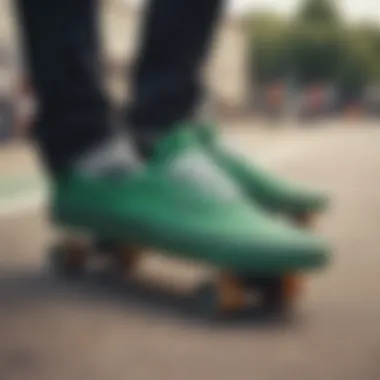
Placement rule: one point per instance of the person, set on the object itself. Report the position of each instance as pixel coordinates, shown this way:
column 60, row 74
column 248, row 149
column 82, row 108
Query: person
column 164, row 180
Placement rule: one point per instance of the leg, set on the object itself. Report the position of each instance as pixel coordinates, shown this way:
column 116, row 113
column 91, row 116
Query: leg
column 63, row 56
column 160, row 205
column 167, row 78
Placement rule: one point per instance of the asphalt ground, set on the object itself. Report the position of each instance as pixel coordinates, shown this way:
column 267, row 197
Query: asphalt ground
column 87, row 330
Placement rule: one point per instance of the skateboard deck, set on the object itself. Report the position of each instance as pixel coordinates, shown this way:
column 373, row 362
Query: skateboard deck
column 226, row 295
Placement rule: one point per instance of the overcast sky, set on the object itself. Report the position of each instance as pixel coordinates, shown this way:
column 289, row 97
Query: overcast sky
column 353, row 9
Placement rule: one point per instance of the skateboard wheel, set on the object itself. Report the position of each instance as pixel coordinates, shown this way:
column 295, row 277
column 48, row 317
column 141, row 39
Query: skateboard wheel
column 125, row 259
column 231, row 294
column 279, row 294
column 222, row 299
column 68, row 260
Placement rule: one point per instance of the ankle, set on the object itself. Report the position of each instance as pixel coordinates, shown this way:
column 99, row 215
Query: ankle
column 115, row 152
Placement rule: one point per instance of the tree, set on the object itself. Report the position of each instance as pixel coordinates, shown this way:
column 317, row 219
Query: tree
column 269, row 37
column 318, row 12
column 359, row 62
column 315, row 46
column 316, row 53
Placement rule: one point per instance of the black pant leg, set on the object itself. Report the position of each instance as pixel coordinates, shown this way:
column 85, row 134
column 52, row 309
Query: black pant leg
column 167, row 83
column 62, row 54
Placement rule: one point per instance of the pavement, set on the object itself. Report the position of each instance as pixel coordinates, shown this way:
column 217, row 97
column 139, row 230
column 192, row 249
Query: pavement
column 56, row 330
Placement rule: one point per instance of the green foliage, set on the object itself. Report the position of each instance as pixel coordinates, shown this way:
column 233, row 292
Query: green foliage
column 270, row 53
column 318, row 12
column 315, row 46
column 357, row 58
column 316, row 52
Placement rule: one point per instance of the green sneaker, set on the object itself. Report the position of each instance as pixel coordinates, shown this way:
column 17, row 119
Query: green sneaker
column 273, row 193
column 182, row 203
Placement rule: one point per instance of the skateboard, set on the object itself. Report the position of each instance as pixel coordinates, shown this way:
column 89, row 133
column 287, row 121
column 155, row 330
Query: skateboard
column 226, row 295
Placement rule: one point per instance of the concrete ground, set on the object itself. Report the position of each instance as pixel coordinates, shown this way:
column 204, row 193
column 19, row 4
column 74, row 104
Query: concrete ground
column 52, row 330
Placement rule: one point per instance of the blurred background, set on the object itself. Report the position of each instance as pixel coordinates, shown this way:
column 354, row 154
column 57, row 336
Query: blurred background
column 273, row 60
column 294, row 84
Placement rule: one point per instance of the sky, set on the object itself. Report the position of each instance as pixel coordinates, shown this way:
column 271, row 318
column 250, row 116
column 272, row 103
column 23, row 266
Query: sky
column 352, row 9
